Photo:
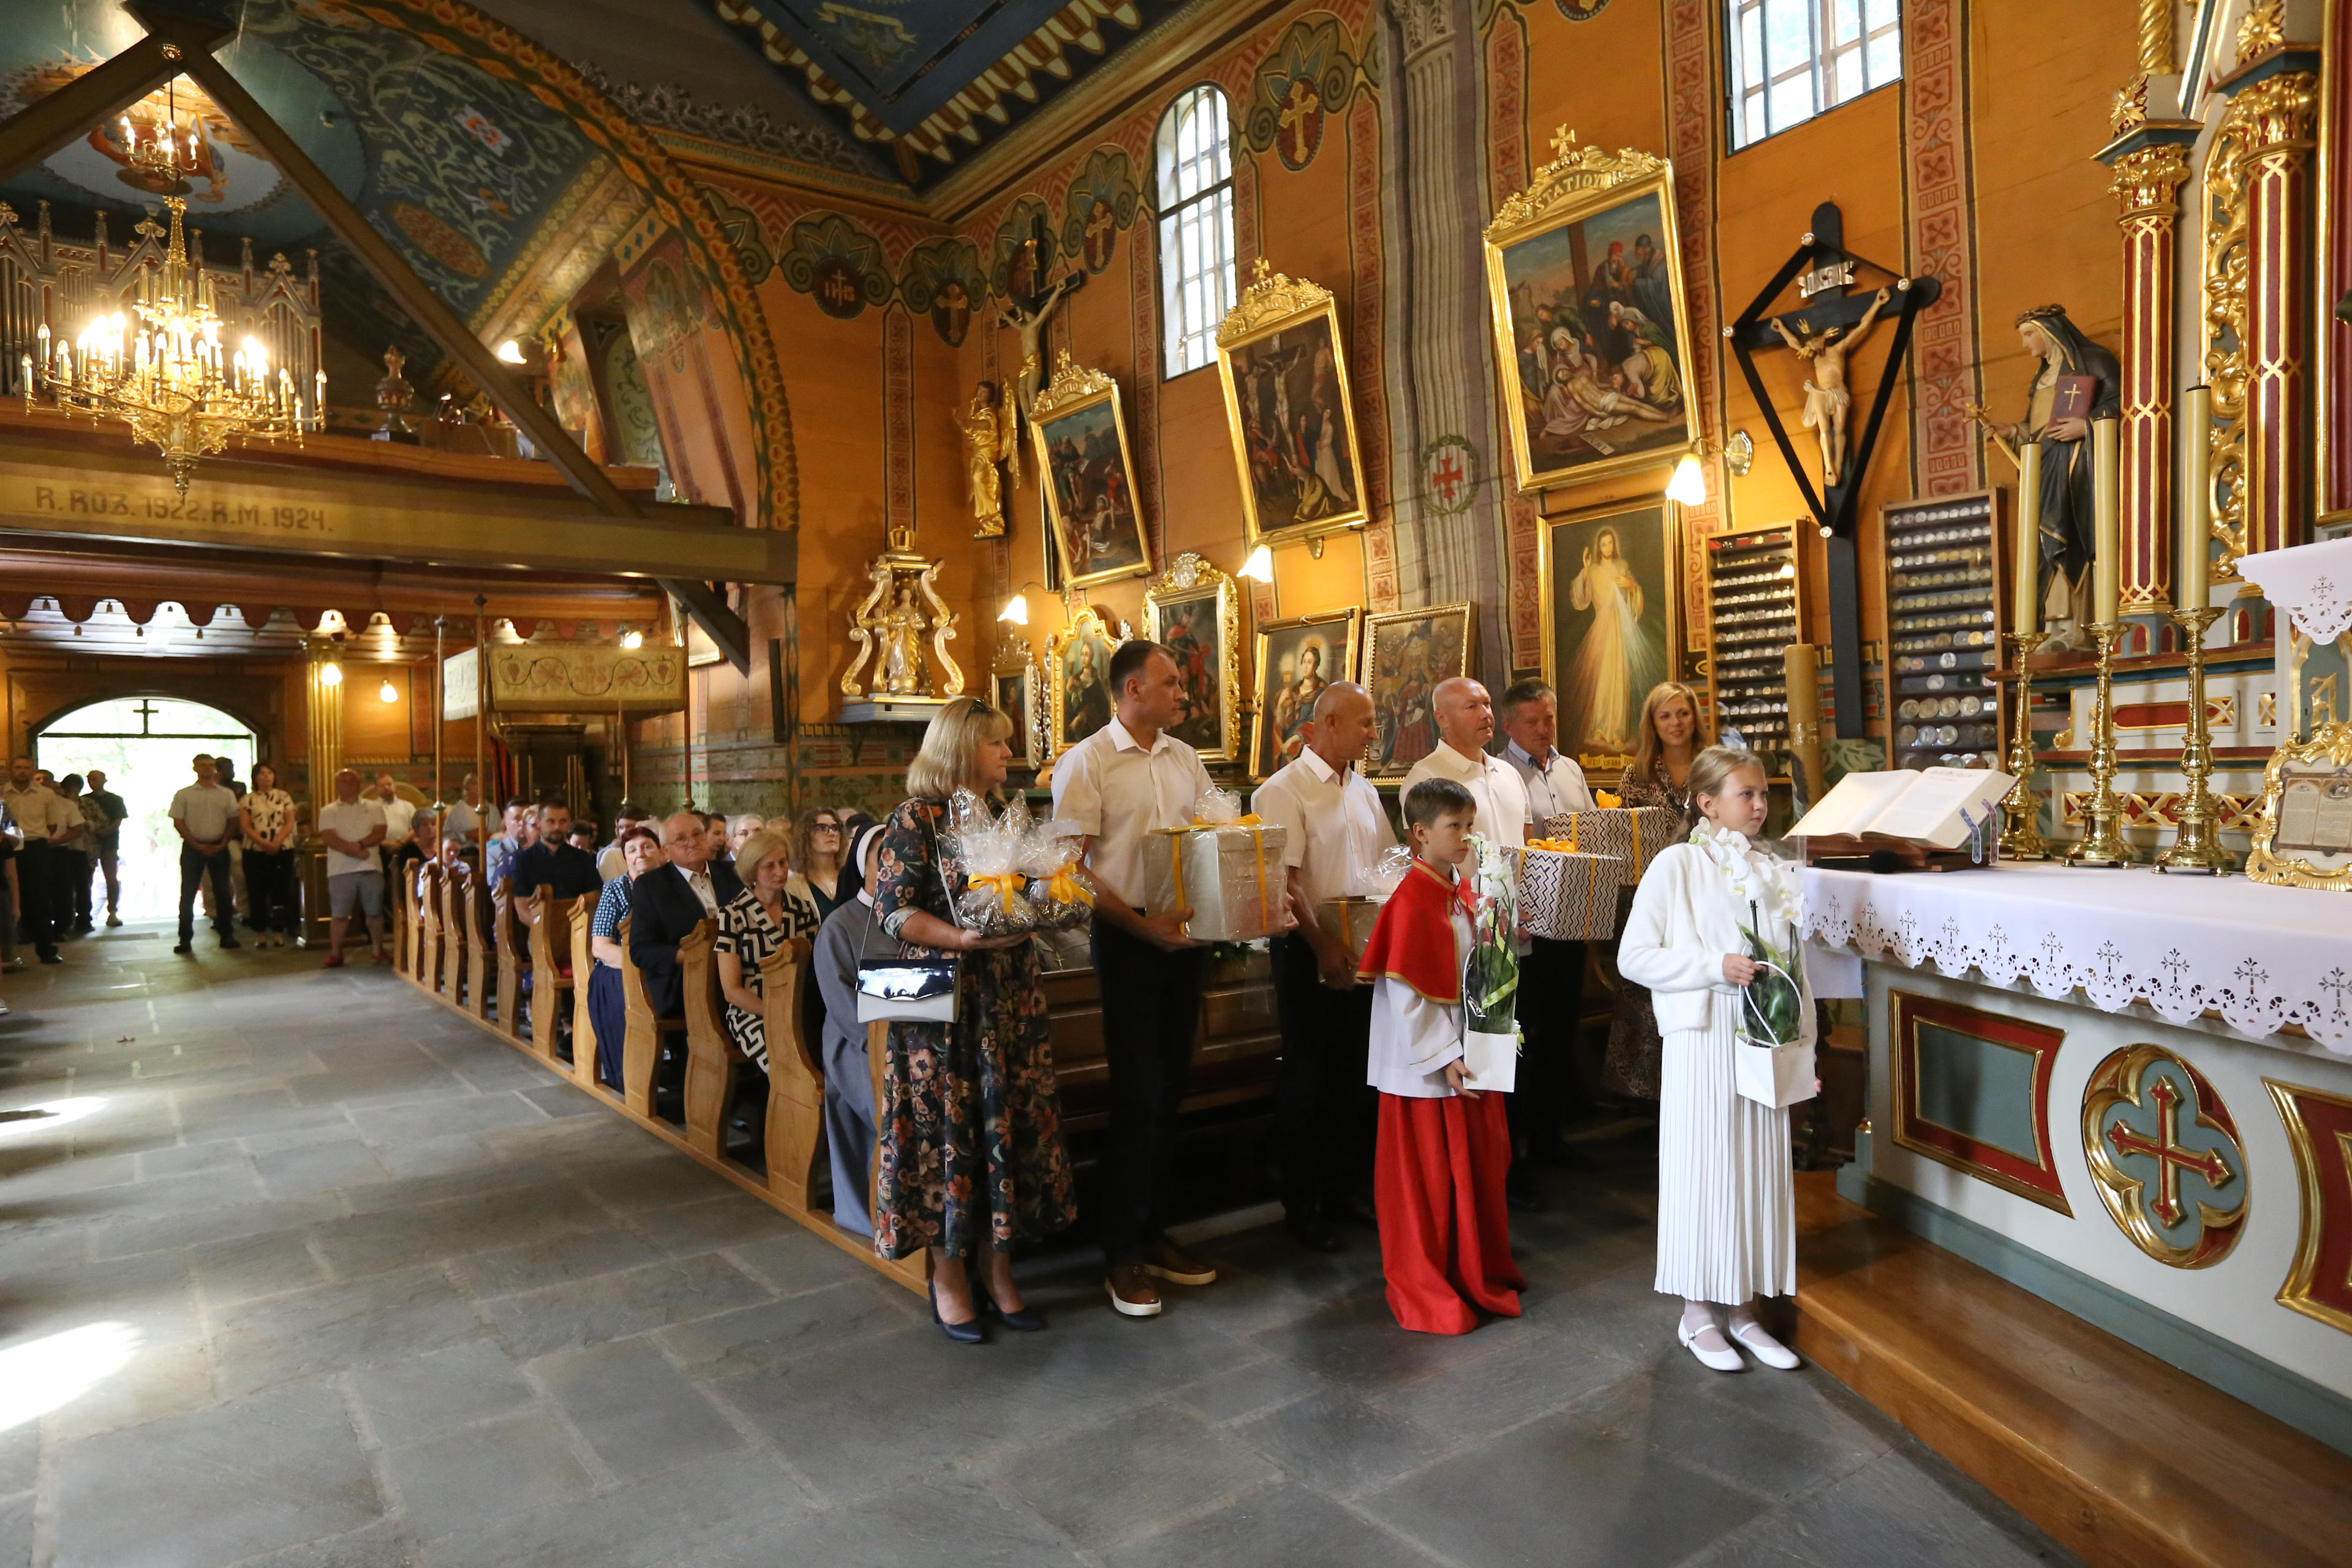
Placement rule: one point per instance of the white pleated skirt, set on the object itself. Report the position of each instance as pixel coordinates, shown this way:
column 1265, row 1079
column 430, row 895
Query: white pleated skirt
column 1727, row 1202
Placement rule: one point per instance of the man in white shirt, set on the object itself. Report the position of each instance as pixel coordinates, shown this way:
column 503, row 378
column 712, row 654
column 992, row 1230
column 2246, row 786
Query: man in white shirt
column 1336, row 829
column 1119, row 785
column 463, row 817
column 48, row 821
column 1465, row 722
column 399, row 819
column 352, row 830
column 203, row 814
column 1551, row 974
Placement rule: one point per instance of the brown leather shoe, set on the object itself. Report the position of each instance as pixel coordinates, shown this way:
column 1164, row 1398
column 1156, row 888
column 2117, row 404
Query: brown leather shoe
column 1163, row 1259
column 1130, row 1291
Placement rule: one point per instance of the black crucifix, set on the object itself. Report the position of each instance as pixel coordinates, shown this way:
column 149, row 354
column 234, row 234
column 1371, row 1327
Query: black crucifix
column 1824, row 330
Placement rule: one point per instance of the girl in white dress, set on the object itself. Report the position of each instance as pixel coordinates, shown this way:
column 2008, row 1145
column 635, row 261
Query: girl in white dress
column 1727, row 1220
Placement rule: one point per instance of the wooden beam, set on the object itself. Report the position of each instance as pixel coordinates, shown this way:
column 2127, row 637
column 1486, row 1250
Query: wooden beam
column 426, row 308
column 32, row 134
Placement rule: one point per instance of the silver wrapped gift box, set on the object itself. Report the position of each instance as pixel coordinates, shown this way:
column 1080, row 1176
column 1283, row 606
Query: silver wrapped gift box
column 1568, row 895
column 1634, row 834
column 1230, row 876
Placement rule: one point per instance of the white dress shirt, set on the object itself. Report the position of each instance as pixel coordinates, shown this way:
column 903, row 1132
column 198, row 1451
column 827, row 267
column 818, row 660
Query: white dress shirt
column 1116, row 791
column 1335, row 821
column 1555, row 785
column 39, row 811
column 205, row 811
column 399, row 815
column 700, row 882
column 1492, row 783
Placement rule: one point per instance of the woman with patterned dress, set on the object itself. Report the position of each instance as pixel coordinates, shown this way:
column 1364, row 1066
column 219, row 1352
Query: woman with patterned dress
column 1659, row 774
column 266, row 815
column 970, row 1127
column 754, row 925
column 608, row 1011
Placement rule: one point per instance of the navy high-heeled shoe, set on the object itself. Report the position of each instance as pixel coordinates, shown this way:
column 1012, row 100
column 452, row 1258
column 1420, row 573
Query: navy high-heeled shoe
column 1020, row 1320
column 964, row 1333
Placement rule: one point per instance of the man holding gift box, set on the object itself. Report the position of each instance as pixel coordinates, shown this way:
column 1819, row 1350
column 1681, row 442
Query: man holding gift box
column 1336, row 829
column 1551, row 974
column 1121, row 785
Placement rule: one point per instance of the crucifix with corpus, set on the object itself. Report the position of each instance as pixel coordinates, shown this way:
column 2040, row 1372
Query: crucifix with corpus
column 1028, row 304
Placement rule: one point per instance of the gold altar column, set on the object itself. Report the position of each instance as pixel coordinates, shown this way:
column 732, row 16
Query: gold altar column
column 2275, row 115
column 2147, row 182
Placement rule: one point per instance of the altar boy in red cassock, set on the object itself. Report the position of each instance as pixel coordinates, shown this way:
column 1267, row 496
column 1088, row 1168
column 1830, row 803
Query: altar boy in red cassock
column 1445, row 1241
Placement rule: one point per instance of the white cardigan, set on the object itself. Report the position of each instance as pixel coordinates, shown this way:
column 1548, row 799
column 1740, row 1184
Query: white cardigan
column 1684, row 922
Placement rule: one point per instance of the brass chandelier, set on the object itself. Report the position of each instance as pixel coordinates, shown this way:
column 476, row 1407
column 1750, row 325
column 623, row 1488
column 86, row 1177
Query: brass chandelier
column 166, row 373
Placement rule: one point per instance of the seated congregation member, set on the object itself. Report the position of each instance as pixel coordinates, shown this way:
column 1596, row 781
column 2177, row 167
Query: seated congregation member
column 608, row 1014
column 1551, row 1089
column 741, row 827
column 716, row 845
column 1337, row 828
column 754, row 923
column 424, row 844
column 1445, row 1238
column 399, row 819
column 970, row 1123
column 819, row 848
column 352, row 831
column 1727, row 1215
column 520, row 831
column 464, row 815
column 554, row 861
column 610, row 862
column 848, row 935
column 665, row 906
column 1670, row 739
column 583, row 839
column 267, row 816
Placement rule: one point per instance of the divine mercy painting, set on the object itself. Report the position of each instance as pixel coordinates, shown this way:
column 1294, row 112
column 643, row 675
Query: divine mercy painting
column 1610, row 601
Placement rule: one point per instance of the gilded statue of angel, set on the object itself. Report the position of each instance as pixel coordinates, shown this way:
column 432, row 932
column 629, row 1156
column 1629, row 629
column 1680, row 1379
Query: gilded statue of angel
column 991, row 435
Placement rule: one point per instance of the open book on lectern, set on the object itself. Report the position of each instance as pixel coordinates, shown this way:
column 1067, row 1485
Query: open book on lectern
column 1939, row 807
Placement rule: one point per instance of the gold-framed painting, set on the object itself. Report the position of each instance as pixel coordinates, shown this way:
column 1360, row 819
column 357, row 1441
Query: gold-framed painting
column 1077, row 678
column 1282, row 361
column 1295, row 659
column 2304, row 837
column 1193, row 611
column 1090, row 499
column 1612, row 594
column 1584, row 275
column 1015, row 690
column 1406, row 654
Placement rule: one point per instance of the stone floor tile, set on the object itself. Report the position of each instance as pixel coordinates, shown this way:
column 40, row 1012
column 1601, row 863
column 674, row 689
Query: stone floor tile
column 733, row 1219
column 397, row 1238
column 583, row 1255
column 1289, row 1527
column 612, row 1306
column 677, row 1517
column 1338, row 1444
column 1540, row 1368
column 479, row 1475
column 943, row 1521
column 1726, row 1439
column 455, row 1386
column 1248, row 1388
column 639, row 1413
column 791, row 1264
column 318, row 1168
column 1909, row 1506
column 761, row 1338
column 378, row 1546
column 328, row 1329
column 446, row 1114
column 156, row 1383
column 1135, row 1475
column 215, row 1486
column 16, row 1525
column 1355, row 1337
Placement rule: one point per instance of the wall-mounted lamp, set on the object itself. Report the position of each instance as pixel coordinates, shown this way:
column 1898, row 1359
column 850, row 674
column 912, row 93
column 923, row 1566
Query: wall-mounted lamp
column 330, row 675
column 1259, row 567
column 387, row 692
column 633, row 640
column 1688, row 486
column 1017, row 610
column 510, row 351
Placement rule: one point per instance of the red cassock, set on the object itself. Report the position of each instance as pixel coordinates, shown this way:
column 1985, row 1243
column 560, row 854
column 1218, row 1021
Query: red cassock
column 1446, row 1240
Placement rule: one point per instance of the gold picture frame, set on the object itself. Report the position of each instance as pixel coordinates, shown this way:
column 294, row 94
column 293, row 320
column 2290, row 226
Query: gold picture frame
column 1077, row 678
column 1091, row 504
column 1281, row 348
column 1014, row 686
column 1406, row 654
column 1595, row 394
column 2307, row 800
column 1601, row 685
column 1287, row 683
column 1193, row 611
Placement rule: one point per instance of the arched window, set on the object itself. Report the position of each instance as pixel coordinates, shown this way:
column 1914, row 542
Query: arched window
column 1792, row 59
column 1196, row 225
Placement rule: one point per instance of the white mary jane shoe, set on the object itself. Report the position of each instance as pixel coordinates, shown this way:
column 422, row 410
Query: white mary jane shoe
column 1765, row 1348
column 1724, row 1360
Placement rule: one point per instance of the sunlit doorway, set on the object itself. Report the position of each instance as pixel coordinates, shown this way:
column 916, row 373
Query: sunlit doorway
column 144, row 745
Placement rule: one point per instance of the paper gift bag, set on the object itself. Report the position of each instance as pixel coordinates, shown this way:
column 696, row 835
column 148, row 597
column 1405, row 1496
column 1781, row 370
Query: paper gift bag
column 1349, row 920
column 1634, row 834
column 1230, row 876
column 1490, row 1061
column 1776, row 1076
column 1567, row 895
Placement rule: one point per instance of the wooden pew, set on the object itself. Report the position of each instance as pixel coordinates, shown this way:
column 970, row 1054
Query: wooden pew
column 583, row 1027
column 795, row 1076
column 457, row 938
column 711, row 1059
column 641, row 1041
column 402, row 894
column 425, row 884
column 514, row 956
column 551, row 982
column 476, row 906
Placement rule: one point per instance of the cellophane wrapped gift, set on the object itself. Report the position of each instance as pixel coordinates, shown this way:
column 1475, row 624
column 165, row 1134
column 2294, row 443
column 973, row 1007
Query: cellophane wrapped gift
column 1226, row 868
column 994, row 902
column 1350, row 917
column 1634, row 835
column 1567, row 895
column 1059, row 898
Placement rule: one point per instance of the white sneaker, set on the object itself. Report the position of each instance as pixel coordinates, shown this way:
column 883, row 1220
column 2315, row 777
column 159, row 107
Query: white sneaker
column 1764, row 1347
column 1724, row 1360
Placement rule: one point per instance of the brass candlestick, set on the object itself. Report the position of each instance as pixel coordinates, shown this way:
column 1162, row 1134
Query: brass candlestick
column 2196, row 847
column 2102, row 844
column 2021, row 835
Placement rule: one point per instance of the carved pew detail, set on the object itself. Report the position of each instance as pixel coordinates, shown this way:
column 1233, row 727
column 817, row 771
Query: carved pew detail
column 583, row 1027
column 474, row 909
column 424, row 882
column 514, row 957
column 711, row 1058
column 641, row 1043
column 457, row 941
column 402, row 893
column 795, row 1076
column 550, row 957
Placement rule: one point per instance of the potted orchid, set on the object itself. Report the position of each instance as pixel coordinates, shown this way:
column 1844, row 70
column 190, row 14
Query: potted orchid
column 1490, row 979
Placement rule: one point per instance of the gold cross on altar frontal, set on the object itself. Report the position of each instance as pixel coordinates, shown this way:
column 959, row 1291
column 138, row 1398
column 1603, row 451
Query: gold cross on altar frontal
column 2170, row 1155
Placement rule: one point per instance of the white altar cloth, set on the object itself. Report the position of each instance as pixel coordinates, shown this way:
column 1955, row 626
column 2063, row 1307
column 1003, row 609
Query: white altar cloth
column 2260, row 956
column 2312, row 583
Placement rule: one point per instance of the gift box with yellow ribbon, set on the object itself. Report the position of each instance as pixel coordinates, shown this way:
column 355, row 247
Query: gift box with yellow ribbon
column 995, row 900
column 1224, row 867
column 1633, row 836
column 1059, row 896
column 1349, row 920
column 1566, row 894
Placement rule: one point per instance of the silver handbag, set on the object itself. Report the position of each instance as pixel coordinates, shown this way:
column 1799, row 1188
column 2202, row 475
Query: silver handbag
column 904, row 989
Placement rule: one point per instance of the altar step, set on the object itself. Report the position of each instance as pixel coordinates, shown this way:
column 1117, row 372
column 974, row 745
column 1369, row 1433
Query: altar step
column 2124, row 1459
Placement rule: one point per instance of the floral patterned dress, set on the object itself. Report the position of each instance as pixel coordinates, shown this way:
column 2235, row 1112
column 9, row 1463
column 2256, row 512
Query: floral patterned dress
column 970, row 1123
column 1637, row 1054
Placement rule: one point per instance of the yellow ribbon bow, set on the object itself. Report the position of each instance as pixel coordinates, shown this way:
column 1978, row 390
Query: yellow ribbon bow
column 1557, row 846
column 1007, row 886
column 1249, row 821
column 1066, row 888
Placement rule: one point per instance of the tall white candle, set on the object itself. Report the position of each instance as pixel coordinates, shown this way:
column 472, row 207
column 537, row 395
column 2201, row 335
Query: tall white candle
column 2195, row 508
column 2107, row 517
column 2025, row 591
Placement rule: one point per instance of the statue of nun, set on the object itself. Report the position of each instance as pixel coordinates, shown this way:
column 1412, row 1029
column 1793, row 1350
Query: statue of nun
column 2060, row 349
